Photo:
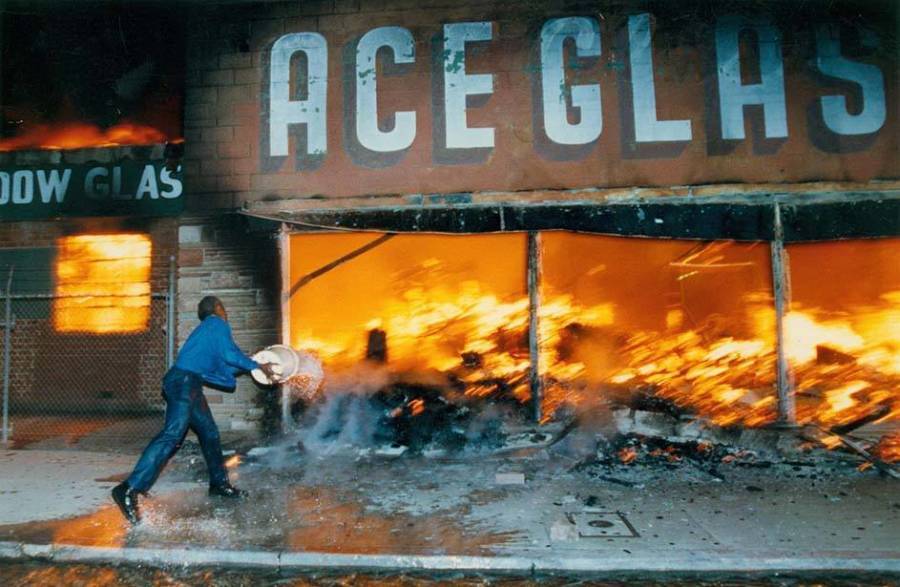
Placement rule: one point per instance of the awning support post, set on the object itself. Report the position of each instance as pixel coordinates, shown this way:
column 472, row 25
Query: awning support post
column 534, row 300
column 787, row 409
column 284, row 250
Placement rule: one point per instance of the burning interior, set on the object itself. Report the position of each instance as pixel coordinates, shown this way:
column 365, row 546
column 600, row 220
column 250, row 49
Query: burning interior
column 121, row 84
column 103, row 283
column 683, row 327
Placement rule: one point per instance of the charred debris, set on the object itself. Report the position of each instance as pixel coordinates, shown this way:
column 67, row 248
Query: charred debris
column 609, row 441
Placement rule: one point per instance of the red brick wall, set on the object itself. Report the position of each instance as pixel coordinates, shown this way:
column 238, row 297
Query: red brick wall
column 219, row 256
column 228, row 49
column 84, row 373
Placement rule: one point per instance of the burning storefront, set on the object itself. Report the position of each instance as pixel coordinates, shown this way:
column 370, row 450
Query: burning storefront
column 540, row 278
column 548, row 209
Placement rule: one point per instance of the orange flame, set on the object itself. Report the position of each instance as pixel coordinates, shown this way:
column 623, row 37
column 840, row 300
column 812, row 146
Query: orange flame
column 888, row 448
column 102, row 283
column 444, row 324
column 79, row 135
column 417, row 406
column 627, row 454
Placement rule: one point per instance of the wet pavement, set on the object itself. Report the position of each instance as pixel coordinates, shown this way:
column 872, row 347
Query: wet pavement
column 531, row 505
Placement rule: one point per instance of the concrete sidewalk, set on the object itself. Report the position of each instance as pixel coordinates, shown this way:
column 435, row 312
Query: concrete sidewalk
column 530, row 512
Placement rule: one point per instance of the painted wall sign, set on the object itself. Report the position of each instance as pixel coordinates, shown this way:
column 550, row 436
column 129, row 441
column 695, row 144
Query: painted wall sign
column 124, row 188
column 576, row 101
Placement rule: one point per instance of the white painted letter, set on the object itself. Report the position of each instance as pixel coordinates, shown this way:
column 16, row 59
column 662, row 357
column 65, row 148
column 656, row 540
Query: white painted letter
column 4, row 188
column 647, row 128
column 733, row 96
column 868, row 77
column 94, row 188
column 369, row 135
column 458, row 85
column 54, row 186
column 585, row 98
column 148, row 184
column 22, row 187
column 172, row 182
column 282, row 110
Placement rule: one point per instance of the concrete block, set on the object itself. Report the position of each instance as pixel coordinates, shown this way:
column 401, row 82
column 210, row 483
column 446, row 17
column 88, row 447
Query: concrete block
column 242, row 425
column 191, row 285
column 509, row 478
column 189, row 234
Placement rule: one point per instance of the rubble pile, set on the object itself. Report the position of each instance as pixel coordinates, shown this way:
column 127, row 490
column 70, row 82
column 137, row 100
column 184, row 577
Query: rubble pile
column 641, row 430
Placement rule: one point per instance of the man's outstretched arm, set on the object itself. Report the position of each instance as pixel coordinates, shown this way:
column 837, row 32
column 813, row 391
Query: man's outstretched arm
column 231, row 354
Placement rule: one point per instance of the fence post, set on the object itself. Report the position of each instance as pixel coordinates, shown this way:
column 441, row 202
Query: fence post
column 7, row 341
column 170, row 315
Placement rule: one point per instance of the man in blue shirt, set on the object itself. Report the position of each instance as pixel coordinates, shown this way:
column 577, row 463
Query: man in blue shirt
column 208, row 356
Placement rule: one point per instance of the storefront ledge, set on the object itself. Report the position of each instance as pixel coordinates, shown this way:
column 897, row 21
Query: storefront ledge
column 650, row 562
column 733, row 192
column 822, row 216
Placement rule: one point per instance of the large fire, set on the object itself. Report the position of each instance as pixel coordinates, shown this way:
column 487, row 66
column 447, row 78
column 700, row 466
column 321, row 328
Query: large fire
column 79, row 135
column 692, row 324
column 102, row 283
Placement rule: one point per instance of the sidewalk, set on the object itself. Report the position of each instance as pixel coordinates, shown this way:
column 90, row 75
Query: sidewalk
column 526, row 513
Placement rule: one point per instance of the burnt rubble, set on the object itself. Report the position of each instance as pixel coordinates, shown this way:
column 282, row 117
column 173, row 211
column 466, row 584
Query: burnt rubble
column 607, row 441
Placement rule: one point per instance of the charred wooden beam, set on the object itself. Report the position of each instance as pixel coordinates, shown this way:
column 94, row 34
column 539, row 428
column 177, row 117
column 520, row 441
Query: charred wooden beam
column 861, row 421
column 534, row 300
column 376, row 346
column 787, row 408
column 883, row 467
column 741, row 217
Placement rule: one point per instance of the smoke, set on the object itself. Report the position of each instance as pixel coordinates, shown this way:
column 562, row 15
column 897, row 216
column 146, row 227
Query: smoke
column 347, row 419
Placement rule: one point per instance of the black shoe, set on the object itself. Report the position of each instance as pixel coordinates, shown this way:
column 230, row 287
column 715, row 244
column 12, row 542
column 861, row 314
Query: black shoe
column 127, row 500
column 226, row 490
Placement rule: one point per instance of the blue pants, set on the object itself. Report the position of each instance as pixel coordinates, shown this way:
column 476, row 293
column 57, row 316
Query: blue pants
column 186, row 408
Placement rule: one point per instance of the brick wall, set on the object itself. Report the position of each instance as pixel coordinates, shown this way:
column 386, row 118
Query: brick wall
column 226, row 55
column 162, row 232
column 228, row 48
column 219, row 256
column 60, row 372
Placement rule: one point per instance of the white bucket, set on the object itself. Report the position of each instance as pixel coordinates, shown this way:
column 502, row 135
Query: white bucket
column 300, row 370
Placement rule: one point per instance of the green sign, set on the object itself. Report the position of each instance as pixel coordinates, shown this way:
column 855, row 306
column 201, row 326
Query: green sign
column 124, row 188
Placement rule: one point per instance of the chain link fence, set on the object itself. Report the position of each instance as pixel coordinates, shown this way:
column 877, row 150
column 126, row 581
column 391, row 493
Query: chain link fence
column 69, row 385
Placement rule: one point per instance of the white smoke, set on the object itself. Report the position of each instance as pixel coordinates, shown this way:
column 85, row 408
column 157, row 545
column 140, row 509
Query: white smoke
column 346, row 420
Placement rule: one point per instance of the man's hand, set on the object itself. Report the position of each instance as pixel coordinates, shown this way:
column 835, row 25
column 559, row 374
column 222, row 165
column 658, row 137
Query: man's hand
column 268, row 370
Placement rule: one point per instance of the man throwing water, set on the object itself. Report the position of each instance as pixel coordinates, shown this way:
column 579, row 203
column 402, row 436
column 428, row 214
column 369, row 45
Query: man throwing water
column 208, row 356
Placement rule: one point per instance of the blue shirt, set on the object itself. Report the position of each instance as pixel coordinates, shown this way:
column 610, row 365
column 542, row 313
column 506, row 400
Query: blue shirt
column 211, row 353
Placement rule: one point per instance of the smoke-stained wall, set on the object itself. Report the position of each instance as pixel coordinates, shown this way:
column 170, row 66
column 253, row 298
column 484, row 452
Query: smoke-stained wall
column 348, row 98
column 343, row 103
